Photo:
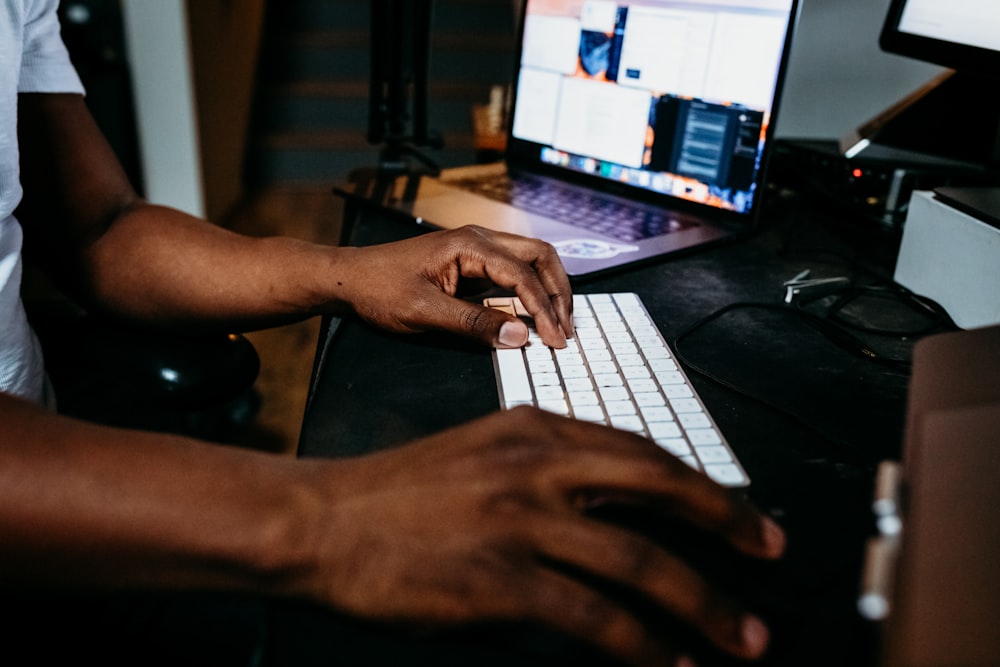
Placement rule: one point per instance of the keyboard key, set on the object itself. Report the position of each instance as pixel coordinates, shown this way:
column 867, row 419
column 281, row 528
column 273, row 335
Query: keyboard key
column 510, row 365
column 583, row 208
column 559, row 406
column 703, row 436
column 713, row 454
column 659, row 430
column 727, row 474
column 676, row 446
column 693, row 419
column 657, row 413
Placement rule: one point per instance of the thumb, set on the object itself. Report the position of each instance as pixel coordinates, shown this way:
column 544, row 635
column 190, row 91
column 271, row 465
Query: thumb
column 493, row 327
column 512, row 333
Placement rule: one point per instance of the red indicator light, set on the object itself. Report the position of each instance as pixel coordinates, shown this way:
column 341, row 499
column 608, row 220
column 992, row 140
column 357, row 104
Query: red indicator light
column 857, row 173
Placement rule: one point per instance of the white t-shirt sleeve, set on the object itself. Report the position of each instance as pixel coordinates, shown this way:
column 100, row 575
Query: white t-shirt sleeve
column 45, row 63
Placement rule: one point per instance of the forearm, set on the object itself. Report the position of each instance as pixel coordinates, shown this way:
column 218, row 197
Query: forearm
column 85, row 505
column 86, row 226
column 485, row 522
column 161, row 265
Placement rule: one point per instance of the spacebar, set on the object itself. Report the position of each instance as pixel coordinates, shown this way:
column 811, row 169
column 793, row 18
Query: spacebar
column 513, row 376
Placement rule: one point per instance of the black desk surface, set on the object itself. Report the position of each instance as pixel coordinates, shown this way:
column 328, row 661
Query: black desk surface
column 808, row 418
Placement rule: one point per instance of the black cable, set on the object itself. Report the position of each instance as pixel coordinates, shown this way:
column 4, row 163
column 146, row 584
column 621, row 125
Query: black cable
column 936, row 316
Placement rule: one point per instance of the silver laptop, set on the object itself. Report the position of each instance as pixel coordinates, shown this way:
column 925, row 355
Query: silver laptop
column 637, row 128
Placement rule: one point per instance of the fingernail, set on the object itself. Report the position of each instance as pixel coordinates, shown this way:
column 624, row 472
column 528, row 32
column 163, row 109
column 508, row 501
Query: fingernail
column 754, row 635
column 513, row 334
column 773, row 536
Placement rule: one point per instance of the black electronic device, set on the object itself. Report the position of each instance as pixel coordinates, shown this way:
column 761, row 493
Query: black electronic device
column 953, row 117
column 397, row 105
column 875, row 185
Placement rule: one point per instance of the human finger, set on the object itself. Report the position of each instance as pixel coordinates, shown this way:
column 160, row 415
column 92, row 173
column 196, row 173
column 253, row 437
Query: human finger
column 565, row 604
column 532, row 270
column 556, row 294
column 634, row 563
column 613, row 465
column 497, row 328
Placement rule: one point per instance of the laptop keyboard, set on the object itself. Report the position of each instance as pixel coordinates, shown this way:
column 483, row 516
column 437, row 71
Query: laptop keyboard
column 577, row 207
column 619, row 371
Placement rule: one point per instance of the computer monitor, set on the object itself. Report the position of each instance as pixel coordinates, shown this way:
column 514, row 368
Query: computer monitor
column 952, row 119
column 963, row 35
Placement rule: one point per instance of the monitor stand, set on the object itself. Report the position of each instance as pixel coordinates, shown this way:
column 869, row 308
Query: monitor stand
column 397, row 105
column 947, row 122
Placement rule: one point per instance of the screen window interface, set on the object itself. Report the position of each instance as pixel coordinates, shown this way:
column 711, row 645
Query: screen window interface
column 671, row 96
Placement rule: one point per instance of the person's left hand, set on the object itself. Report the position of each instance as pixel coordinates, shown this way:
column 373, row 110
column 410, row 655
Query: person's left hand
column 411, row 285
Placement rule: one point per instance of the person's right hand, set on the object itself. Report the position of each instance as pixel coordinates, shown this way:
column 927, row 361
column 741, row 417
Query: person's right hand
column 487, row 521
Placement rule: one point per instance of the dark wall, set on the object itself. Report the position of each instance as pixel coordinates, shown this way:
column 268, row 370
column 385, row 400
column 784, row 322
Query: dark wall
column 94, row 34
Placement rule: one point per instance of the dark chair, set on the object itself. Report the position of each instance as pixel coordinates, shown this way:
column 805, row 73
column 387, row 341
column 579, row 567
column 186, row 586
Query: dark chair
column 119, row 375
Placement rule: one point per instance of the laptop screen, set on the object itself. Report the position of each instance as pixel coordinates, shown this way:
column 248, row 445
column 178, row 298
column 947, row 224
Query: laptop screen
column 667, row 96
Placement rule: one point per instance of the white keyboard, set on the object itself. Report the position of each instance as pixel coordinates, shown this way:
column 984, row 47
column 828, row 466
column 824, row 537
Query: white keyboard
column 617, row 370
